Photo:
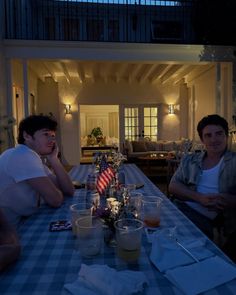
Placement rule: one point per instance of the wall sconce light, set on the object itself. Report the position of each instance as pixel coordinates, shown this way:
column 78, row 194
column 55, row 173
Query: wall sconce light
column 68, row 109
column 171, row 109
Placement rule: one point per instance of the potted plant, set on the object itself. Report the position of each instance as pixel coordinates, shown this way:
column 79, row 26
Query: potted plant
column 97, row 133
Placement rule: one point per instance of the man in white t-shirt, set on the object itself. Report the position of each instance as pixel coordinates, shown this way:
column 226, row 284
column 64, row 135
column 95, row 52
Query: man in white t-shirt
column 205, row 183
column 24, row 178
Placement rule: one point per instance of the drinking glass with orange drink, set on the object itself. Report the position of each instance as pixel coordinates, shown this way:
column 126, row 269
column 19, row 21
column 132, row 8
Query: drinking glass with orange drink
column 151, row 209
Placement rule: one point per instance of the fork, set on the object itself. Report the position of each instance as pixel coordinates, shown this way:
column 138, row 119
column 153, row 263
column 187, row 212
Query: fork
column 172, row 236
column 186, row 250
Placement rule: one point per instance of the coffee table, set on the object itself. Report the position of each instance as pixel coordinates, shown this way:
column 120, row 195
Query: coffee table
column 160, row 159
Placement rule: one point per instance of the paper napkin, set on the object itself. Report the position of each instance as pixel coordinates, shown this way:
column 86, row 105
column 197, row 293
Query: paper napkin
column 167, row 254
column 103, row 280
column 202, row 276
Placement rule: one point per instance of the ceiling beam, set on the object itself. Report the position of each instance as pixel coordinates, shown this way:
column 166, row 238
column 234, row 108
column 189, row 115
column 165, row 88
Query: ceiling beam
column 147, row 69
column 51, row 73
column 158, row 72
column 183, row 73
column 199, row 71
column 112, row 72
column 123, row 72
column 134, row 68
column 65, row 72
column 33, row 69
column 80, row 71
column 169, row 74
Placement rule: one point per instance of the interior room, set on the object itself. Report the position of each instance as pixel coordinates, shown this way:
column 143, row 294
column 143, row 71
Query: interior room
column 106, row 117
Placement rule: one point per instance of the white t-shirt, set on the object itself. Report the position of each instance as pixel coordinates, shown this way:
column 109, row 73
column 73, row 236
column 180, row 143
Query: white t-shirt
column 17, row 197
column 208, row 184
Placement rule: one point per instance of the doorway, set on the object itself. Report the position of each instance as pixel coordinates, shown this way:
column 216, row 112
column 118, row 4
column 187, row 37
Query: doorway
column 139, row 122
column 104, row 116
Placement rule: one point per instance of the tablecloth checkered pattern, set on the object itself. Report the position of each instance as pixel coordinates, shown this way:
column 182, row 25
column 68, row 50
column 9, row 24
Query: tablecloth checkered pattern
column 51, row 259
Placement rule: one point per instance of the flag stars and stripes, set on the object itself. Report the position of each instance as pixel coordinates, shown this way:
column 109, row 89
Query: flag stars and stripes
column 105, row 176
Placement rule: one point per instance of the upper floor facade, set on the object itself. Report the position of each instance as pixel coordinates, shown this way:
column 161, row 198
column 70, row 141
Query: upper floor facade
column 110, row 21
column 142, row 21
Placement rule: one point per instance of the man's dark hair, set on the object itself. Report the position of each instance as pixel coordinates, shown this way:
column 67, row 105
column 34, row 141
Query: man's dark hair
column 212, row 120
column 34, row 123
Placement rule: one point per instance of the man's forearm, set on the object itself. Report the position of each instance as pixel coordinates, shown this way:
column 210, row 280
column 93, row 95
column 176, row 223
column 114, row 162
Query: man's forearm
column 183, row 192
column 63, row 179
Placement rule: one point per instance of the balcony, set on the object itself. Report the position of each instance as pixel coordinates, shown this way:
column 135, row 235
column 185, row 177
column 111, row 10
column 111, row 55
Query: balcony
column 146, row 21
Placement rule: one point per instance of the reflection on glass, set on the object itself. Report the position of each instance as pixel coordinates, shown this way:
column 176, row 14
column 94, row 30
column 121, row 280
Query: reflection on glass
column 154, row 111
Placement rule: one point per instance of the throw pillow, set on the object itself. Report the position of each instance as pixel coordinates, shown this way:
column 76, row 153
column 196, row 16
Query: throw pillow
column 159, row 145
column 150, row 145
column 168, row 146
column 139, row 146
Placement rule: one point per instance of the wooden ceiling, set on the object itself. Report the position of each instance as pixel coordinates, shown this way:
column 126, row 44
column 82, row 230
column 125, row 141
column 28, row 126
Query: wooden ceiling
column 129, row 72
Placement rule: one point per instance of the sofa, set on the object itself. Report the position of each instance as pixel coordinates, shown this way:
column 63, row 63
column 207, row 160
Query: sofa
column 135, row 149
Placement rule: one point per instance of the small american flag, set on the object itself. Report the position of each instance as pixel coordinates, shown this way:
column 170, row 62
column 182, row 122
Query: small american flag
column 105, row 176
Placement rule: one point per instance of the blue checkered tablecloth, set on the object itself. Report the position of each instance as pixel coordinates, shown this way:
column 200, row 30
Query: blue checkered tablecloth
column 51, row 259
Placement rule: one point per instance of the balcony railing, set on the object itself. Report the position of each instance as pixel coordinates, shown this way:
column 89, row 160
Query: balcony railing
column 147, row 21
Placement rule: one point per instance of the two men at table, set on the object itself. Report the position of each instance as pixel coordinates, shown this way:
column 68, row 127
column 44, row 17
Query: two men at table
column 206, row 182
column 25, row 179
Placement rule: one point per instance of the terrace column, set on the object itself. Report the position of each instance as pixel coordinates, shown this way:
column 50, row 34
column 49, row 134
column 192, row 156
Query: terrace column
column 224, row 95
column 26, row 88
column 184, row 110
column 192, row 114
column 9, row 106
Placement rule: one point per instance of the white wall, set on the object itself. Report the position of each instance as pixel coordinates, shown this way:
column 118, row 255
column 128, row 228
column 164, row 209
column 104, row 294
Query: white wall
column 125, row 93
column 205, row 96
column 69, row 124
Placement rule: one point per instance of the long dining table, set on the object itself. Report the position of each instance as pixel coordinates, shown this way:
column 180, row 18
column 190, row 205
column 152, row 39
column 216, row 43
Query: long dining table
column 49, row 260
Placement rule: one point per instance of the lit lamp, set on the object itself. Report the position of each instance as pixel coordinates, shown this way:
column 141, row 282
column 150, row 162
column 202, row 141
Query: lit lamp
column 68, row 109
column 171, row 109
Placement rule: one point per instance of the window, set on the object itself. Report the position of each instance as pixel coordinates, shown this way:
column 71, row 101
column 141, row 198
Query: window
column 140, row 122
column 164, row 30
column 131, row 123
column 113, row 30
column 50, row 28
column 151, row 122
column 71, row 29
column 95, row 30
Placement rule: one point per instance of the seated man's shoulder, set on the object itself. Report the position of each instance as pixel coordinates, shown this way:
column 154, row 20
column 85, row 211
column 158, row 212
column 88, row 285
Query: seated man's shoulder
column 230, row 155
column 233, row 154
column 192, row 157
column 21, row 151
